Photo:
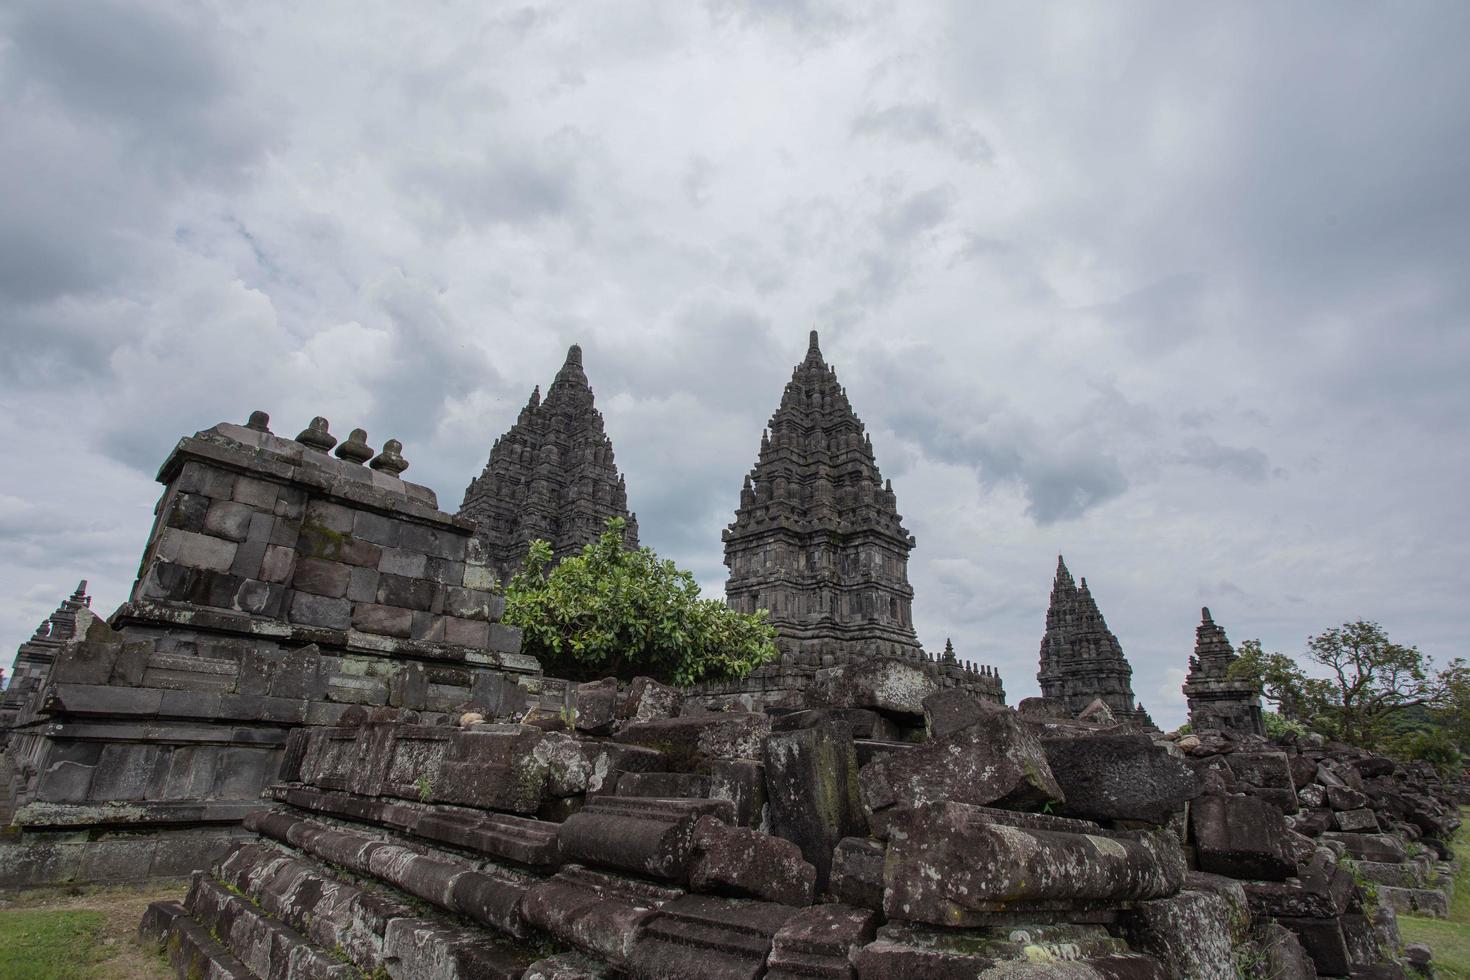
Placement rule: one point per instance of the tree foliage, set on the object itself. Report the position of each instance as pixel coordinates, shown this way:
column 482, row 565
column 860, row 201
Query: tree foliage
column 614, row 612
column 1363, row 684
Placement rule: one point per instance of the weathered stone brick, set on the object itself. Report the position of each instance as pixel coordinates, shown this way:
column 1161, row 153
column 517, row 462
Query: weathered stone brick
column 203, row 551
column 315, row 610
column 465, row 632
column 433, row 541
column 473, row 604
column 277, row 564
column 398, row 561
column 332, row 517
column 384, row 620
column 259, row 494
column 326, row 578
column 376, row 528
column 410, row 593
column 186, row 511
column 228, row 519
column 362, row 586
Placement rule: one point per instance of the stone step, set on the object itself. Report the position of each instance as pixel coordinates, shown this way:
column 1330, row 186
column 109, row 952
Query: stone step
column 267, row 947
column 711, row 938
column 520, row 840
column 597, row 912
column 377, row 932
column 191, row 952
column 489, row 894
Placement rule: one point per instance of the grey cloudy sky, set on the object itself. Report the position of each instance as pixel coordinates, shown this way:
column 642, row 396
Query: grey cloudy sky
column 1178, row 290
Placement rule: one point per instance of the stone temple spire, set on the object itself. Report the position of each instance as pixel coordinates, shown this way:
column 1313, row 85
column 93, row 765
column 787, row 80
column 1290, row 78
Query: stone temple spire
column 552, row 476
column 34, row 657
column 1218, row 702
column 817, row 539
column 1081, row 660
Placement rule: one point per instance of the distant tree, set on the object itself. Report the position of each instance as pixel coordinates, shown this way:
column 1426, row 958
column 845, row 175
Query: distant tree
column 614, row 612
column 1369, row 682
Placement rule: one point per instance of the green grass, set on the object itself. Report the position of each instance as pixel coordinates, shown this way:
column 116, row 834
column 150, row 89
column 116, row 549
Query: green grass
column 44, row 944
column 1449, row 938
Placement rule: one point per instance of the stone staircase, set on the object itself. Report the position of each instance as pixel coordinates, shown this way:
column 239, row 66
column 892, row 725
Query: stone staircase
column 357, row 871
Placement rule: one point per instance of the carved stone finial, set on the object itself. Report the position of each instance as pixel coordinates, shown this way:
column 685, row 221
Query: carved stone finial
column 1204, row 614
column 259, row 421
column 390, row 460
column 355, row 449
column 949, row 656
column 316, row 436
column 812, row 346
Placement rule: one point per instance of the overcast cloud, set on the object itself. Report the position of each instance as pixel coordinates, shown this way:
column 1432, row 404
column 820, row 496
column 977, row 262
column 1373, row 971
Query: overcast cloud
column 1177, row 290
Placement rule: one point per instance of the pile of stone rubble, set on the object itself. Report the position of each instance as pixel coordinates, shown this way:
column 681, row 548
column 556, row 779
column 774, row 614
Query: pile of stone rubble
column 890, row 830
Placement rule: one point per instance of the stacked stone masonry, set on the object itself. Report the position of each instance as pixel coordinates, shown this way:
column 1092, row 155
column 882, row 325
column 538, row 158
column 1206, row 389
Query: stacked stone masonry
column 646, row 838
column 35, row 656
column 552, row 477
column 1217, row 701
column 1082, row 662
column 280, row 587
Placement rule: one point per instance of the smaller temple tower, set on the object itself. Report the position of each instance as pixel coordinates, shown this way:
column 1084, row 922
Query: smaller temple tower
column 1081, row 660
column 34, row 657
column 1218, row 702
column 552, row 476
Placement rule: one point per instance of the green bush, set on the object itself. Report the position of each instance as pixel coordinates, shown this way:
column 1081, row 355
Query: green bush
column 611, row 612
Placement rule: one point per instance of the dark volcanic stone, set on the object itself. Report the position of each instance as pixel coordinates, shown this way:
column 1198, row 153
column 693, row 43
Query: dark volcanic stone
column 746, row 863
column 1119, row 777
column 996, row 761
column 811, row 781
column 1240, row 837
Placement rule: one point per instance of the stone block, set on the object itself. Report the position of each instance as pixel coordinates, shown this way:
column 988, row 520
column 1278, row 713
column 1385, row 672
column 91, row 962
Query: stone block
column 410, row 593
column 596, row 912
column 743, row 783
column 1430, row 902
column 883, row 683
column 383, row 620
column 743, row 863
column 820, row 941
column 473, row 604
column 186, row 511
column 466, row 632
column 444, row 571
column 812, row 788
column 568, row 966
column 1370, row 847
column 332, row 517
column 324, row 578
column 857, row 872
column 595, row 705
column 202, row 551
column 904, row 951
column 422, row 949
column 228, row 519
column 954, row 866
column 667, row 785
column 692, row 744
column 1189, row 933
column 277, row 564
column 1240, row 837
column 644, row 836
column 362, row 584
column 1345, row 798
column 398, row 561
column 494, row 767
column 436, row 542
column 950, row 710
column 376, row 528
column 315, row 610
column 258, row 494
column 711, row 938
column 1119, row 777
column 996, row 762
column 1362, row 821
column 1323, row 941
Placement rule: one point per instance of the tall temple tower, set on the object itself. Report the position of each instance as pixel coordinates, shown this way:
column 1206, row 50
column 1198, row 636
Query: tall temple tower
column 817, row 539
column 1217, row 701
column 1081, row 659
column 552, row 476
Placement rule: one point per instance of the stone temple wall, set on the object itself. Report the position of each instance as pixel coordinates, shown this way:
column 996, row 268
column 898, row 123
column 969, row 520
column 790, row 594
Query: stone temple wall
column 280, row 586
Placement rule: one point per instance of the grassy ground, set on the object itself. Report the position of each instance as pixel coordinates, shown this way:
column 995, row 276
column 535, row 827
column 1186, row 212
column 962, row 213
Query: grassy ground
column 1449, row 938
column 80, row 934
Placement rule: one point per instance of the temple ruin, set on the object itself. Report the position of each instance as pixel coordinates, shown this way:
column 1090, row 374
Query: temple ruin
column 309, row 715
column 1081, row 660
column 1217, row 701
column 35, row 656
column 551, row 476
